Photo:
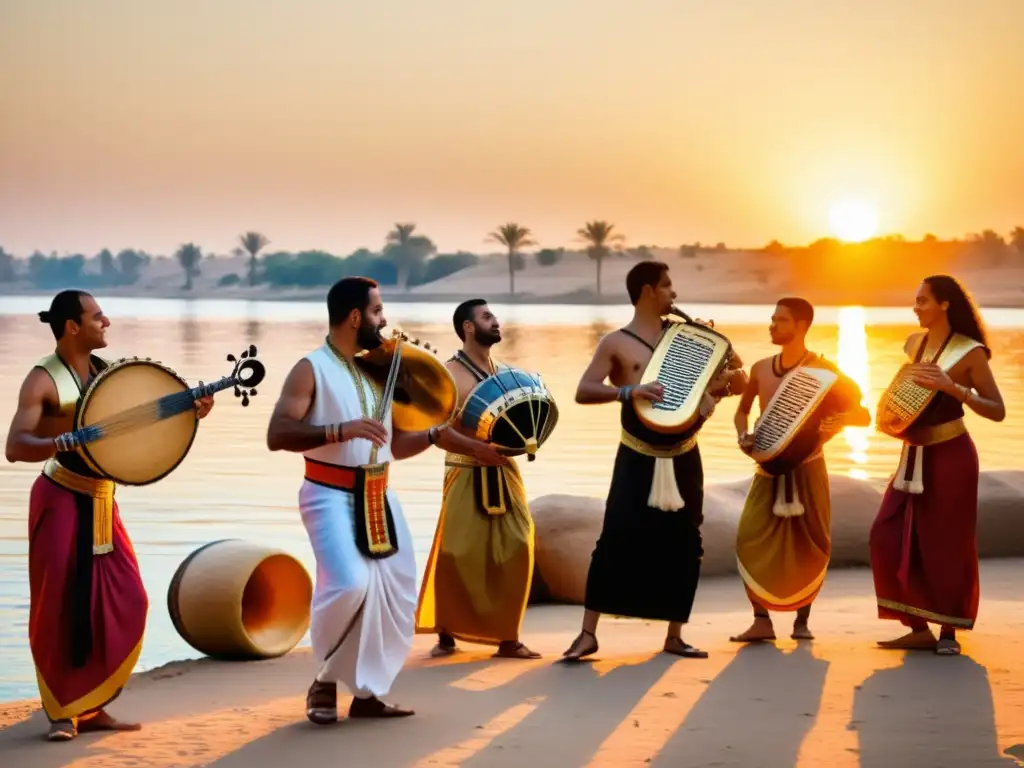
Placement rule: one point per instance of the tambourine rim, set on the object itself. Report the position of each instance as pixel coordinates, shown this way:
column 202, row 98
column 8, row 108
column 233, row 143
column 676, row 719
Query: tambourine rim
column 91, row 389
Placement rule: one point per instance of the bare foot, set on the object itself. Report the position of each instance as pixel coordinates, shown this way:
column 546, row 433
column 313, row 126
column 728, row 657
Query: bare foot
column 585, row 644
column 62, row 730
column 513, row 649
column 947, row 646
column 761, row 629
column 374, row 707
column 679, row 648
column 801, row 631
column 101, row 721
column 922, row 640
column 442, row 650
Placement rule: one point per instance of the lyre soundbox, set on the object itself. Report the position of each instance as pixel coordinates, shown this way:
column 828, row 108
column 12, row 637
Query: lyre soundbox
column 904, row 400
column 787, row 430
column 687, row 359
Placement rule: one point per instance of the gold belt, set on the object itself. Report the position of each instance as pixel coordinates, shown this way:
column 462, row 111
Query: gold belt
column 101, row 490
column 460, row 460
column 658, row 451
column 934, row 435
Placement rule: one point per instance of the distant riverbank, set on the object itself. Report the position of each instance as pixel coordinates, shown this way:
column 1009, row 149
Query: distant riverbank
column 709, row 278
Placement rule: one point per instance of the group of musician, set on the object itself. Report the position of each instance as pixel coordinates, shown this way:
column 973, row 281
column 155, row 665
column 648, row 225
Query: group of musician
column 88, row 605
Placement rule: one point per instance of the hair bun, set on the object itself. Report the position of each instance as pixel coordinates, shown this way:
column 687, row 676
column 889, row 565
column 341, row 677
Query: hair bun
column 44, row 316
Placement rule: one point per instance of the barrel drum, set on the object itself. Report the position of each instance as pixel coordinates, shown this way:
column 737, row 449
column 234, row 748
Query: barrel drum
column 234, row 599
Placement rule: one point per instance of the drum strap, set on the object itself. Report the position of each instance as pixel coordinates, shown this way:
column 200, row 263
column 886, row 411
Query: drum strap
column 463, row 359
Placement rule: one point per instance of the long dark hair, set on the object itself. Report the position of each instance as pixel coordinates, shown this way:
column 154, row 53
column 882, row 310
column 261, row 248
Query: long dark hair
column 962, row 314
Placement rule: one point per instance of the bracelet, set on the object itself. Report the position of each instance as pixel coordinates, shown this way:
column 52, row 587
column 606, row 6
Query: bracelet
column 332, row 433
column 965, row 392
column 432, row 435
column 624, row 393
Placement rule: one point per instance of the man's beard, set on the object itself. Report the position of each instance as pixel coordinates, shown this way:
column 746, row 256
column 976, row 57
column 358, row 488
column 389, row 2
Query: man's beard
column 368, row 336
column 780, row 339
column 487, row 338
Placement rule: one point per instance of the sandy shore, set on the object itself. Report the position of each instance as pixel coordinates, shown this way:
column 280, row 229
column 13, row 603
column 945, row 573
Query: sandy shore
column 837, row 701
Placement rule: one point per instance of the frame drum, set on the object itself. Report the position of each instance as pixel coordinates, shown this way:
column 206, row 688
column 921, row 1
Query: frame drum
column 144, row 455
column 513, row 410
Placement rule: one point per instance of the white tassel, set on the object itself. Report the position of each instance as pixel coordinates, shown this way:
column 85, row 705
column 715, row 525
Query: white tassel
column 782, row 508
column 664, row 491
column 916, row 483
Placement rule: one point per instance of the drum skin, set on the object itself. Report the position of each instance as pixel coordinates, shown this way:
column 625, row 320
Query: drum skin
column 237, row 600
column 148, row 453
column 511, row 409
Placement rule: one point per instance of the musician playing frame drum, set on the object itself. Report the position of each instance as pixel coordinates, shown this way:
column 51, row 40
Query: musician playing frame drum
column 477, row 580
column 83, row 573
column 783, row 540
column 646, row 563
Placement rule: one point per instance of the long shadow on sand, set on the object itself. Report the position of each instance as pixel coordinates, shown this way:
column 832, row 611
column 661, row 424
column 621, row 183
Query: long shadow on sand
column 564, row 698
column 770, row 700
column 930, row 711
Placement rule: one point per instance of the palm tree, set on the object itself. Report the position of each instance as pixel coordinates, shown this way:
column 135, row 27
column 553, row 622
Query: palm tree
column 189, row 256
column 513, row 237
column 1017, row 239
column 598, row 236
column 406, row 250
column 252, row 243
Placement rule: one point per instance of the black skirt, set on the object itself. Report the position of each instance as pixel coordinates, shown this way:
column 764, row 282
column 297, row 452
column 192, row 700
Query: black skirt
column 646, row 563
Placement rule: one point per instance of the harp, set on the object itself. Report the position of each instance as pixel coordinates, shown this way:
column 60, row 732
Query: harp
column 688, row 358
column 904, row 401
column 787, row 431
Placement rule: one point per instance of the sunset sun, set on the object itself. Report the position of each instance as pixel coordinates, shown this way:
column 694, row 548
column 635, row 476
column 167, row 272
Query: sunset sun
column 852, row 220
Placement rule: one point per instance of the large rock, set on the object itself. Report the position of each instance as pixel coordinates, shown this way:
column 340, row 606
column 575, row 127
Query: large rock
column 568, row 526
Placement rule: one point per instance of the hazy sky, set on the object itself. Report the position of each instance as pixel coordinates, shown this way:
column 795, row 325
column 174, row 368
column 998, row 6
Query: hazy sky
column 322, row 122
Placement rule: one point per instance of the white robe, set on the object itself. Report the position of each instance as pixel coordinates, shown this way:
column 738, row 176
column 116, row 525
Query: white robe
column 376, row 647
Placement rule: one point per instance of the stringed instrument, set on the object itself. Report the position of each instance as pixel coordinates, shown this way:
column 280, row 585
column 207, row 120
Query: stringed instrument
column 136, row 421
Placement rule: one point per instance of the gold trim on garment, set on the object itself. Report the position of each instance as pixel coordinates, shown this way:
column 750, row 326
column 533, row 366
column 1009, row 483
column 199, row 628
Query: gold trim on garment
column 100, row 490
column 818, row 454
column 938, row 618
column 460, row 460
column 658, row 452
column 924, row 436
column 767, row 596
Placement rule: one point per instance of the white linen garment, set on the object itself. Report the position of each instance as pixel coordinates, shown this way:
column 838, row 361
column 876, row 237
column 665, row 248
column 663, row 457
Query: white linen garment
column 371, row 603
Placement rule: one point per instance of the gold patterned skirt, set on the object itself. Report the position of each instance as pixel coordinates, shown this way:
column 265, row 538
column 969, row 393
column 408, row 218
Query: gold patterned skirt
column 480, row 569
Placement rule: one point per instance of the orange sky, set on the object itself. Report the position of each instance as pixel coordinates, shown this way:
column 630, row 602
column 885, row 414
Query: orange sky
column 323, row 122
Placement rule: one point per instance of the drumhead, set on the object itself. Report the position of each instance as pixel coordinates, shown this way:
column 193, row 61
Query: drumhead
column 510, row 409
column 147, row 453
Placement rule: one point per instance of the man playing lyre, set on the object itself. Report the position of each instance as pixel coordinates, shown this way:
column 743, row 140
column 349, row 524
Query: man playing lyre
column 362, row 623
column 783, row 540
column 477, row 581
column 88, row 605
column 924, row 554
column 646, row 563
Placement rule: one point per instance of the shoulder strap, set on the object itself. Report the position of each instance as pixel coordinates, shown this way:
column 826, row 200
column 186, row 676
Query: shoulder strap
column 461, row 358
column 642, row 341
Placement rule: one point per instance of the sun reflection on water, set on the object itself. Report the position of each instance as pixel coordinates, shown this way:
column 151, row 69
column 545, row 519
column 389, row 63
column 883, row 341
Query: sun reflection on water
column 852, row 358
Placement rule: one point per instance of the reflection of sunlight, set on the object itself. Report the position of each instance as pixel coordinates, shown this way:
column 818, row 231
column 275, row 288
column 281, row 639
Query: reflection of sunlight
column 853, row 360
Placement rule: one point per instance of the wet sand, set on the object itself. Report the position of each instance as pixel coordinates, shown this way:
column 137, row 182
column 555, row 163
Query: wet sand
column 837, row 701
